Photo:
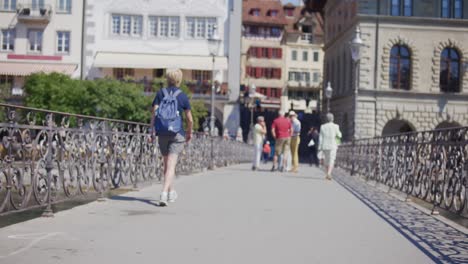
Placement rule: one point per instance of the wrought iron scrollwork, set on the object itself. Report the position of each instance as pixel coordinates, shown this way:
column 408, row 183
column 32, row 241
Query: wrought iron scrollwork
column 47, row 157
column 430, row 165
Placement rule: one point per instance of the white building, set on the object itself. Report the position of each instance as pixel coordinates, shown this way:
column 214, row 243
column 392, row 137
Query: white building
column 141, row 39
column 39, row 36
column 303, row 42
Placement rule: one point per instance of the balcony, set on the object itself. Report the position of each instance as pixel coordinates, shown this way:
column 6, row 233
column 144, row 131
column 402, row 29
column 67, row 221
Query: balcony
column 202, row 90
column 30, row 13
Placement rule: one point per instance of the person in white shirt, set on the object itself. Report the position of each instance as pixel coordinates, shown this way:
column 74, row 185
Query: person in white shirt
column 295, row 140
column 329, row 134
column 259, row 132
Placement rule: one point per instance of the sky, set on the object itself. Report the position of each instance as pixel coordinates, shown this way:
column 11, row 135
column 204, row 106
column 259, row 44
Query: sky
column 295, row 2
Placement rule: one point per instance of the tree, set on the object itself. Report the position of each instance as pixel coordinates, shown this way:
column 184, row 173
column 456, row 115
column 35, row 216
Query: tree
column 102, row 98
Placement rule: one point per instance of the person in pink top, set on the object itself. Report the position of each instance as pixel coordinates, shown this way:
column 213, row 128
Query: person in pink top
column 281, row 130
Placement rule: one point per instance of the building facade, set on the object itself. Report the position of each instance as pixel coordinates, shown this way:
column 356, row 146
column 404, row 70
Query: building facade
column 263, row 61
column 303, row 43
column 39, row 36
column 141, row 39
column 412, row 74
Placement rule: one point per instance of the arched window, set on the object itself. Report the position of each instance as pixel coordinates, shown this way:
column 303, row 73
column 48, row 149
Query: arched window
column 450, row 71
column 400, row 67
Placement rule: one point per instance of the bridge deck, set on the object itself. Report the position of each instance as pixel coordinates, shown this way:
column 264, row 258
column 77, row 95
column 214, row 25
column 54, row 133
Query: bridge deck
column 233, row 215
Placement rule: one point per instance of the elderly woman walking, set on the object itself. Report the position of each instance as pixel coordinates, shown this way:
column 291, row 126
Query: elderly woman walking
column 329, row 135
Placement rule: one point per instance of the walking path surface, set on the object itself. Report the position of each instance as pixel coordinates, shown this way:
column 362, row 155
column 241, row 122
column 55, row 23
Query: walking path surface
column 230, row 215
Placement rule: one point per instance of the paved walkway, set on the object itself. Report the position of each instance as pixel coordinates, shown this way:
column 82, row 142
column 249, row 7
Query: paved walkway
column 230, row 215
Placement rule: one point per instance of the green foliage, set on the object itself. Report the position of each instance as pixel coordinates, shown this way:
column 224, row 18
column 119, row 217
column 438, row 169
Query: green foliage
column 103, row 98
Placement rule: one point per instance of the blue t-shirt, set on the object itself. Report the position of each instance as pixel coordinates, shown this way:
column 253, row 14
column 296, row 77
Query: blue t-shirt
column 183, row 102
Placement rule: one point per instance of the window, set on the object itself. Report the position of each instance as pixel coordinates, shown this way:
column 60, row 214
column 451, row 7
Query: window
column 8, row 5
column 316, row 77
column 201, row 75
column 164, row 27
column 200, row 27
column 402, row 8
column 63, row 42
column 7, row 40
column 450, row 71
column 121, row 73
column 35, row 40
column 64, row 6
column 289, row 12
column 305, row 56
column 273, row 13
column 306, row 76
column 255, row 12
column 127, row 25
column 277, row 53
column 316, row 56
column 37, row 4
column 275, row 92
column 263, row 73
column 294, row 55
column 400, row 67
column 452, row 9
column 275, row 32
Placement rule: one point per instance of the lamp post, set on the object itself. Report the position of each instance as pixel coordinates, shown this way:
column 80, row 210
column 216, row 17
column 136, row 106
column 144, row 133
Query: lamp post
column 328, row 95
column 214, row 42
column 356, row 47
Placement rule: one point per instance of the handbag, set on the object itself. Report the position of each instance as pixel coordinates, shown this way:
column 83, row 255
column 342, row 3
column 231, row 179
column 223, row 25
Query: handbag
column 311, row 143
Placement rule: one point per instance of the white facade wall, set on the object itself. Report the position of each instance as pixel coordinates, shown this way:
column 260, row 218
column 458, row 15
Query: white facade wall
column 58, row 22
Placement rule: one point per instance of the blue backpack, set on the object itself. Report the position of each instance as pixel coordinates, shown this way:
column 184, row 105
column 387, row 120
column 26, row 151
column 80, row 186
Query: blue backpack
column 168, row 120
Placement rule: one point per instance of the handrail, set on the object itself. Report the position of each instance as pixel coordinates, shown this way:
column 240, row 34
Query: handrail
column 430, row 165
column 62, row 156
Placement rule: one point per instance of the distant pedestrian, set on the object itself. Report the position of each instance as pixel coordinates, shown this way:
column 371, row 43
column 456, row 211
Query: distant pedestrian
column 313, row 145
column 281, row 130
column 259, row 133
column 266, row 151
column 329, row 135
column 167, row 123
column 295, row 140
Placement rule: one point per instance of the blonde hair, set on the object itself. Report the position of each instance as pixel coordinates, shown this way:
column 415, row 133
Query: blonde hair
column 174, row 77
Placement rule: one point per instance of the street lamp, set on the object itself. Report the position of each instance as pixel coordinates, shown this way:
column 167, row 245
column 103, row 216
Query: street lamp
column 214, row 42
column 328, row 95
column 356, row 49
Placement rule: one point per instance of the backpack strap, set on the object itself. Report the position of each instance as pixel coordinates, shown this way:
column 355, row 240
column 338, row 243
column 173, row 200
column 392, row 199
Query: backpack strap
column 165, row 93
column 176, row 93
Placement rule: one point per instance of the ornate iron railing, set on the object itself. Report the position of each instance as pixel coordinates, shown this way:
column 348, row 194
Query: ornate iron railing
column 430, row 165
column 47, row 157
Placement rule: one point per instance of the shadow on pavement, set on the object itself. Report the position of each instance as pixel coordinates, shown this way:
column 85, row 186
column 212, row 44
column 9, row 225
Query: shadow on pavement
column 305, row 177
column 135, row 199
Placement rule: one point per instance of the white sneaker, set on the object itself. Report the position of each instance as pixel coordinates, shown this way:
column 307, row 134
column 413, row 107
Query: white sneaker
column 163, row 199
column 172, row 196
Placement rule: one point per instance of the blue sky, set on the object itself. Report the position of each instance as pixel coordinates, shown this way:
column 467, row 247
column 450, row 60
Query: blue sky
column 296, row 2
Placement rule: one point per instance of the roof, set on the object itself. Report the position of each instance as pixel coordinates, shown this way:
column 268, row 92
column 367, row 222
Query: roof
column 264, row 6
column 300, row 13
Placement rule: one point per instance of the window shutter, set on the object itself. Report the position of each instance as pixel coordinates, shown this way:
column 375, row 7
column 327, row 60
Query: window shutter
column 270, row 53
column 247, row 71
column 258, row 72
column 259, row 52
column 280, row 52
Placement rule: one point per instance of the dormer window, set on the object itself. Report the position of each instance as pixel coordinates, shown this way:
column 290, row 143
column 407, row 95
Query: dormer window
column 289, row 12
column 255, row 12
column 272, row 13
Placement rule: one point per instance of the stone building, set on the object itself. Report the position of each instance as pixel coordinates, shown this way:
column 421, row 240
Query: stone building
column 412, row 75
column 39, row 36
column 141, row 39
column 303, row 43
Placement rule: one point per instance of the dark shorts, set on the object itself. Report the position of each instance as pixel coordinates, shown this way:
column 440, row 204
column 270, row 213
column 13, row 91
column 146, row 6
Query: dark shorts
column 171, row 144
